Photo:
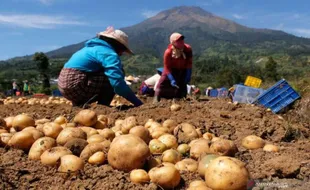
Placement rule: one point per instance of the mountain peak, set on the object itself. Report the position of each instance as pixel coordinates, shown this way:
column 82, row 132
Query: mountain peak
column 188, row 9
column 189, row 17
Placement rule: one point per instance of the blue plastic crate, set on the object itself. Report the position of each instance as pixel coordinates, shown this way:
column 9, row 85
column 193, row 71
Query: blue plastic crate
column 278, row 96
column 213, row 93
column 222, row 93
column 246, row 94
column 219, row 93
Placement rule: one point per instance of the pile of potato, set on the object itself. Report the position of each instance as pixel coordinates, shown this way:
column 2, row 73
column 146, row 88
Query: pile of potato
column 36, row 101
column 154, row 152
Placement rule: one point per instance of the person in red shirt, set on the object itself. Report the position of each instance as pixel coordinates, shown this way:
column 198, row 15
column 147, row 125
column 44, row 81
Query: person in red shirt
column 177, row 69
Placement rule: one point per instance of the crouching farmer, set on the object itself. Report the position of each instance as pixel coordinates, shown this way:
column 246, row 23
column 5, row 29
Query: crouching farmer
column 95, row 73
column 147, row 87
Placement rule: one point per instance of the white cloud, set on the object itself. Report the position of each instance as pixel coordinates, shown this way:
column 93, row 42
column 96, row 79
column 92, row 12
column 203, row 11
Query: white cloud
column 149, row 13
column 37, row 21
column 302, row 31
column 237, row 16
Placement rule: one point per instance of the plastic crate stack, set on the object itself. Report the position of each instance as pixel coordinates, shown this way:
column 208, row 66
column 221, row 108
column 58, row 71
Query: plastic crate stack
column 278, row 97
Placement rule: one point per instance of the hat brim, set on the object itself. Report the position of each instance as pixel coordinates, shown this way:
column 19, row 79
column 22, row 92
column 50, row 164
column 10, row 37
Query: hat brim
column 129, row 51
column 181, row 37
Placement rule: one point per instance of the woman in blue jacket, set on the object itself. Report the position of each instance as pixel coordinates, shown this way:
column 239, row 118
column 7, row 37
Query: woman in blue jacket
column 95, row 73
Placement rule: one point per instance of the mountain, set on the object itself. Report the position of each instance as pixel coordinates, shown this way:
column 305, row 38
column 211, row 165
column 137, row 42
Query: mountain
column 202, row 30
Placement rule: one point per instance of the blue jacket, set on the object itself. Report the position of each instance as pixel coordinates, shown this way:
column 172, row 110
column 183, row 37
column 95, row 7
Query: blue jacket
column 99, row 55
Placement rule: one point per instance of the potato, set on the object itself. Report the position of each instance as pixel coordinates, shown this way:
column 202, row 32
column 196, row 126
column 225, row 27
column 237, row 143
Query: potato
column 151, row 126
column 52, row 129
column 253, row 142
column 102, row 122
column 198, row 185
column 224, row 147
column 35, row 133
column 66, row 134
column 187, row 165
column 175, row 107
column 68, row 125
column 86, row 118
column 170, row 125
column 119, row 123
column 167, row 177
column 204, row 163
column 108, row 134
column 183, row 149
column 70, row 163
column 139, row 176
column 9, row 121
column 157, row 132
column 169, row 140
column 61, row 120
column 22, row 140
column 89, row 131
column 141, row 132
column 168, row 164
column 185, row 133
column 226, row 173
column 128, row 152
column 95, row 139
column 171, row 156
column 215, row 139
column 116, row 128
column 42, row 121
column 199, row 132
column 118, row 133
column 5, row 138
column 3, row 124
column 148, row 123
column 97, row 158
column 153, row 162
column 76, row 145
column 128, row 123
column 103, row 118
column 91, row 149
column 157, row 147
column 199, row 147
column 3, row 131
column 271, row 148
column 39, row 146
column 22, row 121
column 51, row 156
column 208, row 136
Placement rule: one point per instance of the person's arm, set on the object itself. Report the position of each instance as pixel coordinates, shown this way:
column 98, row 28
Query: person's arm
column 113, row 70
column 167, row 68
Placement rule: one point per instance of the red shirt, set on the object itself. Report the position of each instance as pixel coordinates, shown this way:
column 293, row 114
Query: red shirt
column 177, row 63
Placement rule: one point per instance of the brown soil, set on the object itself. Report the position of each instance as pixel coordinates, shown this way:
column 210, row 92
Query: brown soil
column 290, row 166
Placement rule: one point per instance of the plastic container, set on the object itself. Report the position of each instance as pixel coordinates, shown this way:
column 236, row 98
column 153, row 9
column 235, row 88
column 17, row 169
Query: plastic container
column 278, row 97
column 253, row 82
column 219, row 93
column 245, row 94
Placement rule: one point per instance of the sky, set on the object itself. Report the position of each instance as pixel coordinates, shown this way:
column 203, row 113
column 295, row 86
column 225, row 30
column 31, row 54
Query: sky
column 28, row 26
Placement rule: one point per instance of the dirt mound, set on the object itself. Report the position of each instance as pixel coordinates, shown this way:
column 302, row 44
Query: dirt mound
column 291, row 165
